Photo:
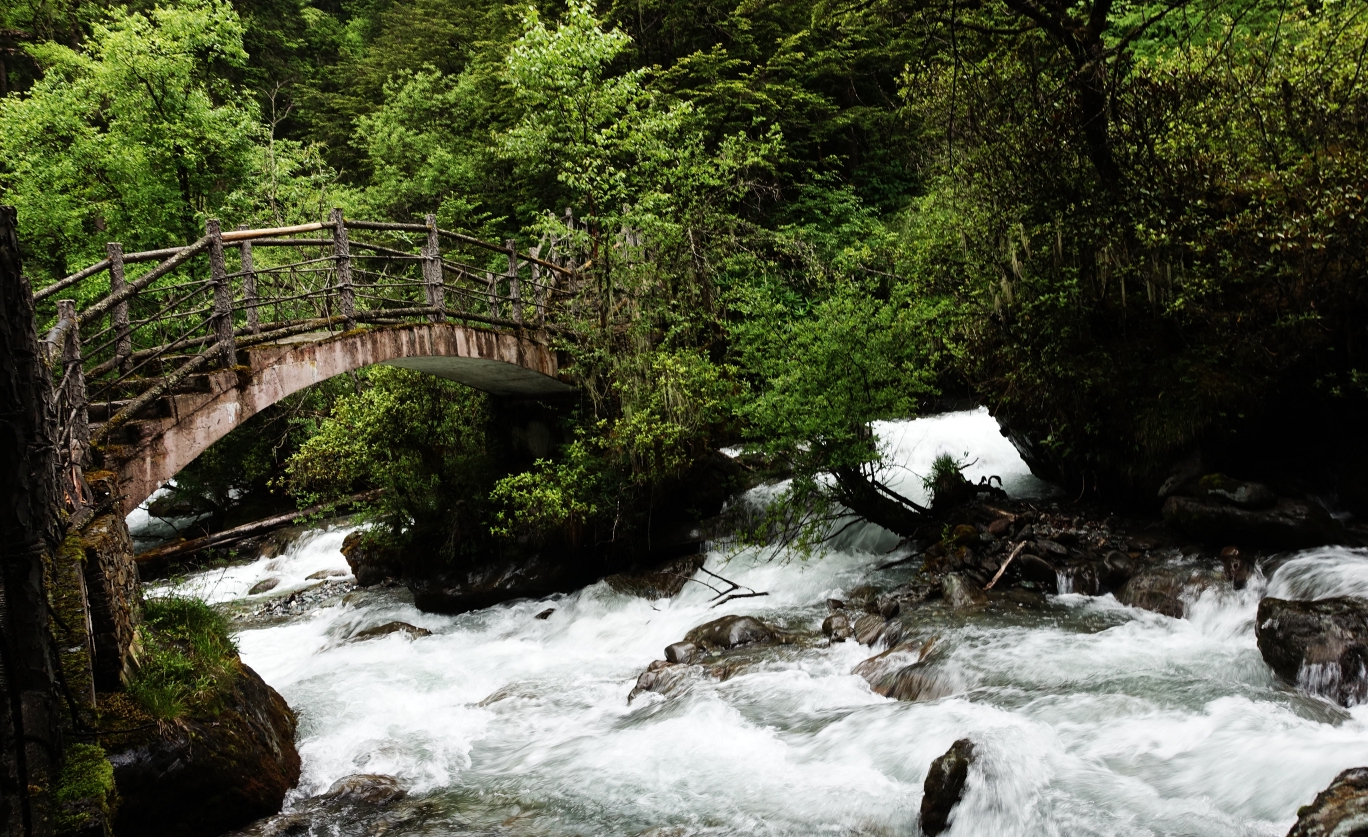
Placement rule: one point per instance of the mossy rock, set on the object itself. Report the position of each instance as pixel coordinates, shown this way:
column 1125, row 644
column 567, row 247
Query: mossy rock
column 86, row 797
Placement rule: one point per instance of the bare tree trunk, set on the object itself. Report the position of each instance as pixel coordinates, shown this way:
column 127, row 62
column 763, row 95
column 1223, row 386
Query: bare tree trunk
column 30, row 737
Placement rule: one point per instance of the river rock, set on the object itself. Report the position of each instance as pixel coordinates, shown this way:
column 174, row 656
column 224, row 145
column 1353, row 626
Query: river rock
column 413, row 631
column 264, row 586
column 1237, row 567
column 962, row 594
column 1038, row 571
column 729, row 632
column 944, row 786
column 683, row 652
column 500, row 578
column 1340, row 810
column 1117, row 568
column 1321, row 646
column 370, row 561
column 838, row 627
column 1246, row 495
column 662, row 582
column 1288, row 524
column 367, row 789
column 868, row 628
column 663, row 677
column 1157, row 590
column 202, row 776
column 905, row 672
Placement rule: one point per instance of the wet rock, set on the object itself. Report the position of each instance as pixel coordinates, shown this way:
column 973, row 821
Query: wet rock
column 834, row 605
column 868, row 628
column 838, row 627
column 663, row 677
column 1049, row 547
column 1321, row 646
column 1341, row 810
column 1237, row 567
column 264, row 586
column 488, row 581
column 1156, row 590
column 888, row 606
column 370, row 561
column 863, row 597
column 1246, row 495
column 944, row 786
column 388, row 628
column 545, row 614
column 1079, row 577
column 1000, row 526
column 1117, row 568
column 683, row 652
column 372, row 789
column 202, row 776
column 961, row 593
column 662, row 582
column 905, row 671
column 325, row 574
column 1288, row 524
column 1037, row 570
column 729, row 632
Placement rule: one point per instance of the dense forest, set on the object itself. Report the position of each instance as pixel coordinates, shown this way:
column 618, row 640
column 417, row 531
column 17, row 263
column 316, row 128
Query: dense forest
column 1133, row 230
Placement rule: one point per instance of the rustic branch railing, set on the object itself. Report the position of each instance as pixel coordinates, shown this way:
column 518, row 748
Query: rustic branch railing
column 147, row 332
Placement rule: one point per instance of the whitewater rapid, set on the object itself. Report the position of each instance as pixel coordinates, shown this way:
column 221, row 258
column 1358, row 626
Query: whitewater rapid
column 1089, row 718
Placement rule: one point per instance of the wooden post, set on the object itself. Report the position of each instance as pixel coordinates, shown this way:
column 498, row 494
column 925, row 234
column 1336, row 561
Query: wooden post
column 493, row 284
column 118, row 316
column 514, row 288
column 346, row 296
column 432, row 271
column 538, row 292
column 77, row 402
column 30, row 498
column 223, row 296
column 249, row 288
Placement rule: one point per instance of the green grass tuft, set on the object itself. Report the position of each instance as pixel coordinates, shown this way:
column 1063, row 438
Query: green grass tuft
column 189, row 658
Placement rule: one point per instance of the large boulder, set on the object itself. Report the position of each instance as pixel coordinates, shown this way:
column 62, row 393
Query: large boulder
column 1159, row 590
column 502, row 578
column 1321, row 646
column 370, row 561
column 1340, row 810
column 202, row 776
column 1287, row 524
column 944, row 786
column 730, row 632
column 660, row 582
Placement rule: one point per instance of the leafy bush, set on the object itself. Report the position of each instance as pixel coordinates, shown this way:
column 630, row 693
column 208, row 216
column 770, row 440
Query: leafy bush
column 189, row 660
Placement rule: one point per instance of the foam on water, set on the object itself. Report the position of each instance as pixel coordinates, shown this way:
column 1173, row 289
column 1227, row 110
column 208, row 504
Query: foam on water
column 1090, row 718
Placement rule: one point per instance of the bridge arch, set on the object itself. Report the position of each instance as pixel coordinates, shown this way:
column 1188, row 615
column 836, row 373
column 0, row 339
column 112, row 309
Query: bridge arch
column 150, row 451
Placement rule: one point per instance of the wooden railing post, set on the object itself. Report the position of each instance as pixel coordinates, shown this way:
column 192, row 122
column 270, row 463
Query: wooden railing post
column 118, row 316
column 249, row 288
column 432, row 271
column 75, row 388
column 538, row 291
column 514, row 290
column 346, row 296
column 223, row 296
column 493, row 286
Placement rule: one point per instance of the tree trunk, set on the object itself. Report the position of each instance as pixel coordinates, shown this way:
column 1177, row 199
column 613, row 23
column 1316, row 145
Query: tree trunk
column 30, row 738
column 862, row 495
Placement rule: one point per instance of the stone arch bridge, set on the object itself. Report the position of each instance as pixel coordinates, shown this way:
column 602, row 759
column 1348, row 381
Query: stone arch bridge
column 163, row 361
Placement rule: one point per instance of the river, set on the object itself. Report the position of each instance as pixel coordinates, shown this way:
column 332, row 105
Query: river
column 1089, row 718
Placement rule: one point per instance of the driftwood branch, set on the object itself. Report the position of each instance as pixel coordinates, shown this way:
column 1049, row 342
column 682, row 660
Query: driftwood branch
column 1002, row 569
column 247, row 530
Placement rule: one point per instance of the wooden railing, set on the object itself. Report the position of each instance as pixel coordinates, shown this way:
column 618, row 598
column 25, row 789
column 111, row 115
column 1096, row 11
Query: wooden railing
column 124, row 340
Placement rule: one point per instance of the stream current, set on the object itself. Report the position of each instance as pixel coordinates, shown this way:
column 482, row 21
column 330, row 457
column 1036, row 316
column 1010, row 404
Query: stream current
column 1088, row 717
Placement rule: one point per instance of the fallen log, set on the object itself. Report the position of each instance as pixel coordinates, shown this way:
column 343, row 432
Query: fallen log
column 247, row 530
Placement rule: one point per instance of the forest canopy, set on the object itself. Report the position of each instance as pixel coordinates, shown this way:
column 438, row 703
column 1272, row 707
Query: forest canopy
column 1131, row 229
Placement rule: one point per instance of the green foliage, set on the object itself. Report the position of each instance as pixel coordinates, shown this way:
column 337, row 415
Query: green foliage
column 189, row 659
column 135, row 133
column 420, row 439
column 85, row 786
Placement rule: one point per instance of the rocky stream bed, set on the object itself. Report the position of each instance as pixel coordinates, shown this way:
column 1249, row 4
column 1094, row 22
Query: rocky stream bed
column 1118, row 676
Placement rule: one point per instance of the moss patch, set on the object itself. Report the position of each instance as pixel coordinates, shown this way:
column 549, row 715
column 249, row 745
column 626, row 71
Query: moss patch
column 85, row 790
column 189, row 660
